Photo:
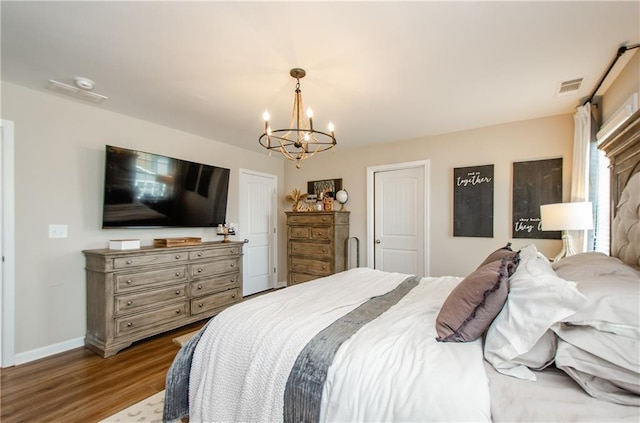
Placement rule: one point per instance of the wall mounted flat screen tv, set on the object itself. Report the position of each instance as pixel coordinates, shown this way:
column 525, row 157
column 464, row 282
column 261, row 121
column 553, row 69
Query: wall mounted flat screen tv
column 150, row 190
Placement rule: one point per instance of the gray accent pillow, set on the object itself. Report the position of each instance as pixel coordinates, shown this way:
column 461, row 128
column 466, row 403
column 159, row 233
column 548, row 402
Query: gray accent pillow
column 502, row 253
column 472, row 305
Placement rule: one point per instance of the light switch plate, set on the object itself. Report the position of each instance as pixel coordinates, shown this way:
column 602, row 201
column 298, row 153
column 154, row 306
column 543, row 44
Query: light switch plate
column 58, row 231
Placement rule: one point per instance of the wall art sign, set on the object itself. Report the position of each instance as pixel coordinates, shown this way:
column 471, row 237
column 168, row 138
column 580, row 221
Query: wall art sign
column 473, row 201
column 535, row 183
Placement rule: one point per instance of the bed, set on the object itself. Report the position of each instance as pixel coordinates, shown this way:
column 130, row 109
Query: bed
column 518, row 339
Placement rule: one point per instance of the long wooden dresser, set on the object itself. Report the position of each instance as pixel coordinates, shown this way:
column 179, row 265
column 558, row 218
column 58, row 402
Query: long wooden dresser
column 134, row 294
column 316, row 244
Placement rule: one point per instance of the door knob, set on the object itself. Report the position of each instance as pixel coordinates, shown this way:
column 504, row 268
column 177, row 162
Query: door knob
column 377, row 241
column 246, row 241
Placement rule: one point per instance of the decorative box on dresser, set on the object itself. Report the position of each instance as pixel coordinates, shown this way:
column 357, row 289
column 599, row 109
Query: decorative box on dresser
column 134, row 294
column 316, row 244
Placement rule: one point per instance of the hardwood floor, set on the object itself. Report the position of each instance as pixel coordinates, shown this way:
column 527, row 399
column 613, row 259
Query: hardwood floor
column 79, row 386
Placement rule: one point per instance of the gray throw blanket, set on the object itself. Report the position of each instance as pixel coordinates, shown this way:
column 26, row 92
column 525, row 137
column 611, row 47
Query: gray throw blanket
column 176, row 396
column 303, row 392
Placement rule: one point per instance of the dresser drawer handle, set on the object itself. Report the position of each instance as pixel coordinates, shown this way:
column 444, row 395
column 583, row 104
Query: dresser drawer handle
column 233, row 295
column 178, row 311
column 324, row 250
column 129, row 261
column 129, row 324
column 200, row 305
column 178, row 274
column 199, row 270
column 232, row 265
column 178, row 292
column 320, row 233
column 177, row 256
column 129, row 302
column 233, row 251
column 199, row 286
column 233, row 280
column 324, row 268
column 199, row 254
column 129, row 281
column 324, row 219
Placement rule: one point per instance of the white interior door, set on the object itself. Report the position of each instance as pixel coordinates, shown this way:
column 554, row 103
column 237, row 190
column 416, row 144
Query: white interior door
column 257, row 228
column 400, row 219
column 7, row 244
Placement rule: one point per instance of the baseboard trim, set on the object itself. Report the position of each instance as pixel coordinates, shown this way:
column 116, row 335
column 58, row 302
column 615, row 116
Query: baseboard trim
column 38, row 353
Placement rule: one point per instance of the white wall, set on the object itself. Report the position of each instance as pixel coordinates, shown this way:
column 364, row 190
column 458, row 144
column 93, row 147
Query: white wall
column 626, row 83
column 499, row 145
column 59, row 162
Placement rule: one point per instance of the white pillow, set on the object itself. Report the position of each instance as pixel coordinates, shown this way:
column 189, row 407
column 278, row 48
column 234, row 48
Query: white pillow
column 537, row 299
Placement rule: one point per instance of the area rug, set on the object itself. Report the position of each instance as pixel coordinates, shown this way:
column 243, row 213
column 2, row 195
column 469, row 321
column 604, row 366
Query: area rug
column 148, row 410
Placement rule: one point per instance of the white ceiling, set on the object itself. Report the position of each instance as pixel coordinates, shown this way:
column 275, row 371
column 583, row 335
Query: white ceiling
column 380, row 71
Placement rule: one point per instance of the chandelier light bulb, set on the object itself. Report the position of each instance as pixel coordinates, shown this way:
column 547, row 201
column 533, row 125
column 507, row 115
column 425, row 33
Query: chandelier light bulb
column 309, row 113
column 331, row 127
column 266, row 116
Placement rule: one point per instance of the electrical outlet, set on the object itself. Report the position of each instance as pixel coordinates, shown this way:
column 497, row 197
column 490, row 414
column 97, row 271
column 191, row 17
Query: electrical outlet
column 57, row 231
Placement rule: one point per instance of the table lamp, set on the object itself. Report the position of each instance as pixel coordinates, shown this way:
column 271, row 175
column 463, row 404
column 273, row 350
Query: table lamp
column 566, row 217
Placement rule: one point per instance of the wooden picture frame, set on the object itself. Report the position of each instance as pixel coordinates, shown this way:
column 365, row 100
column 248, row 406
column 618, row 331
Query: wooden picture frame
column 325, row 186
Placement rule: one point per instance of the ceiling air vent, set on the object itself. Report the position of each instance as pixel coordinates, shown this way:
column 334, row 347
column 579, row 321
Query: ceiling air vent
column 568, row 87
column 81, row 90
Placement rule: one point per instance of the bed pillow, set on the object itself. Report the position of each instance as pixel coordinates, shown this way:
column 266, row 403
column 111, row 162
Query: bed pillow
column 472, row 305
column 613, row 305
column 538, row 298
column 501, row 253
column 587, row 265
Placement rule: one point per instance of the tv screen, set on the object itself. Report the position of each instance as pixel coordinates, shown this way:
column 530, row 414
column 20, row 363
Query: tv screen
column 149, row 190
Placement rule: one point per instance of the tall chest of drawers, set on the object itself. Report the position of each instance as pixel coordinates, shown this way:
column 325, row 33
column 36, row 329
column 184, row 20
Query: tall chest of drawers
column 316, row 244
column 135, row 294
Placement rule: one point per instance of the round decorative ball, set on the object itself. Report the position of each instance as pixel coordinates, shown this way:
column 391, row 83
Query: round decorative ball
column 342, row 196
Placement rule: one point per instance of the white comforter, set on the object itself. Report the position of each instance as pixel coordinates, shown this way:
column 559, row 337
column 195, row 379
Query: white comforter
column 392, row 369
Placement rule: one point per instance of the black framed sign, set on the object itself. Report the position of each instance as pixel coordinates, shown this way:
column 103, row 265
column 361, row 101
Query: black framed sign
column 473, row 201
column 535, row 183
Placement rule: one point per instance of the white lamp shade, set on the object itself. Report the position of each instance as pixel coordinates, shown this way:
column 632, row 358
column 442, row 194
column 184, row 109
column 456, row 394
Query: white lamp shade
column 566, row 216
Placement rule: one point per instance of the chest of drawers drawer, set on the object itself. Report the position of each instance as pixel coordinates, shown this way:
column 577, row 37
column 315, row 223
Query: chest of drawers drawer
column 210, row 285
column 232, row 251
column 139, row 322
column 136, row 280
column 305, row 248
column 135, row 302
column 204, row 269
column 312, row 266
column 213, row 302
column 149, row 259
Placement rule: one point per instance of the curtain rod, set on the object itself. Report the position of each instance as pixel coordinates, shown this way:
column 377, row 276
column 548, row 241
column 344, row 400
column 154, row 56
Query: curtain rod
column 622, row 50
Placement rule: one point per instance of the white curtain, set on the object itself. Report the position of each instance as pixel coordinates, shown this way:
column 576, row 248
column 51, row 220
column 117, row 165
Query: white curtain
column 580, row 170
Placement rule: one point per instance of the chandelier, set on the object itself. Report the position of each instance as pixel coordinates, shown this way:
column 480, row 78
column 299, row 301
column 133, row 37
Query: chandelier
column 300, row 141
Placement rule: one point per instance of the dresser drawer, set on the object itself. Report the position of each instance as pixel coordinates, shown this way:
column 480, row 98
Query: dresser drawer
column 215, row 284
column 305, row 248
column 143, row 300
column 149, row 259
column 129, row 281
column 310, row 218
column 299, row 232
column 139, row 322
column 200, row 270
column 230, row 251
column 201, row 305
column 315, row 267
column 321, row 234
column 296, row 278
